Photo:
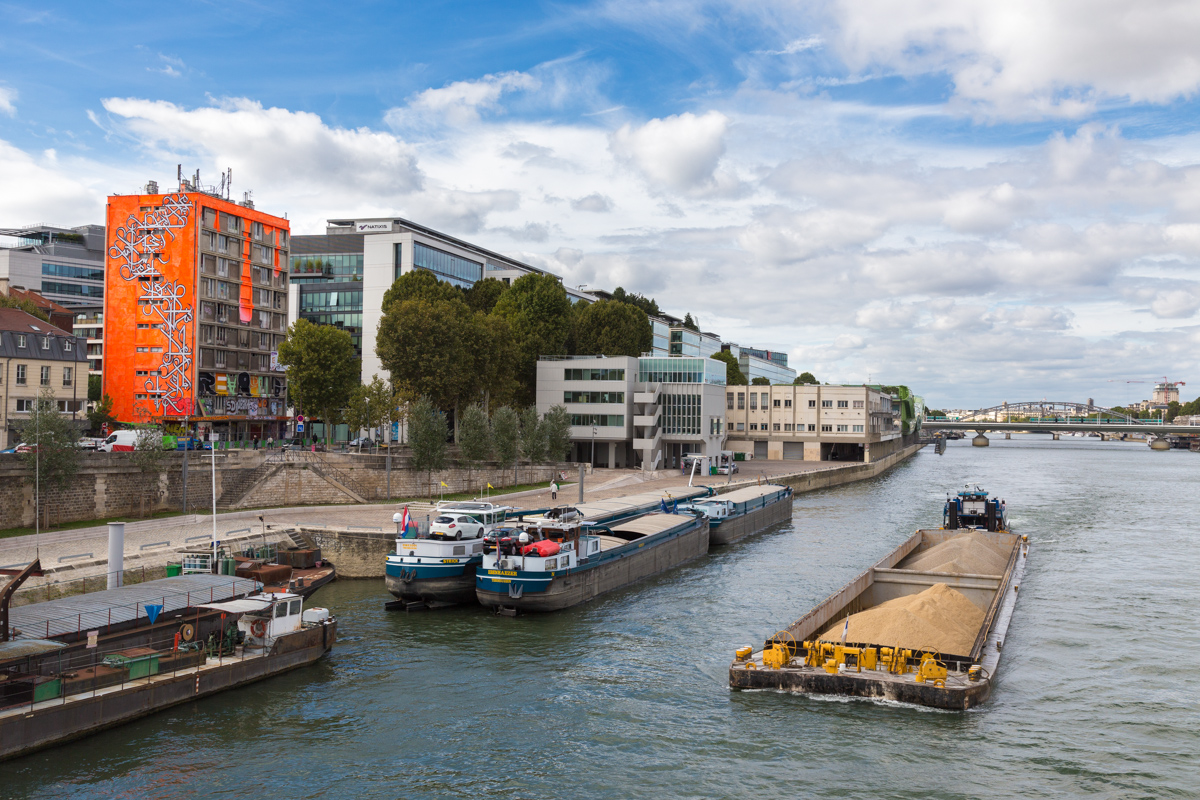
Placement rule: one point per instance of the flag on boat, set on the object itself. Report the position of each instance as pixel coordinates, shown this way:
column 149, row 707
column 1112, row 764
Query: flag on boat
column 846, row 630
column 662, row 505
column 405, row 520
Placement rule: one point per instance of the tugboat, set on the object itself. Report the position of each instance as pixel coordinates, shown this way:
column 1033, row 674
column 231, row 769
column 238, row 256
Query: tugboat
column 440, row 569
column 743, row 511
column 558, row 563
column 971, row 508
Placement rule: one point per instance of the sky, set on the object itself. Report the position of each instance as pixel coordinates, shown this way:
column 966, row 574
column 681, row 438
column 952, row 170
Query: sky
column 986, row 201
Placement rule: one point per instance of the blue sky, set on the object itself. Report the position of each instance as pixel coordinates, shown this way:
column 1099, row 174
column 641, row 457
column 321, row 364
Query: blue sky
column 887, row 190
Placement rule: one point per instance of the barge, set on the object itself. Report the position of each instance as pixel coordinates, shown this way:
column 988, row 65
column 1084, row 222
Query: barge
column 440, row 569
column 54, row 691
column 558, row 563
column 837, row 649
column 739, row 513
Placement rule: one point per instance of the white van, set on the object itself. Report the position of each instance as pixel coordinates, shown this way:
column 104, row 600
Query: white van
column 119, row 441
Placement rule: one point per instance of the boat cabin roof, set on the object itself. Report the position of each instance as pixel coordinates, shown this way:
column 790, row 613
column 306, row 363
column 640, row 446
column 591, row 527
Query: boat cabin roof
column 467, row 506
column 751, row 493
column 250, row 605
column 649, row 524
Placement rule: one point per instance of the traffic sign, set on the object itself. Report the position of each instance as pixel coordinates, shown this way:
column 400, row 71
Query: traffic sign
column 299, row 418
column 299, row 427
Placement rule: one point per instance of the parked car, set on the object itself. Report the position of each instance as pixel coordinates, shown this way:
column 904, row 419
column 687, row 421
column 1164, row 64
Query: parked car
column 727, row 469
column 362, row 441
column 13, row 449
column 300, row 444
column 455, row 526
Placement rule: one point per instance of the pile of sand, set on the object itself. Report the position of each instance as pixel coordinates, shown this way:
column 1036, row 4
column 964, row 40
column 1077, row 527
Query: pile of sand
column 939, row 617
column 970, row 553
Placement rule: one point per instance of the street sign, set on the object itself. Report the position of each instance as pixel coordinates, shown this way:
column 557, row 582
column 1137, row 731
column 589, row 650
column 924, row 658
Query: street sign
column 299, row 418
column 299, row 427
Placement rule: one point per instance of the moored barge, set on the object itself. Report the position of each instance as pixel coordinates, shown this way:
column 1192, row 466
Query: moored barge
column 556, row 564
column 949, row 663
column 739, row 513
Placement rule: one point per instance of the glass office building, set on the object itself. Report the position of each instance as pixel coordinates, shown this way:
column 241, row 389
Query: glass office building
column 681, row 370
column 336, row 304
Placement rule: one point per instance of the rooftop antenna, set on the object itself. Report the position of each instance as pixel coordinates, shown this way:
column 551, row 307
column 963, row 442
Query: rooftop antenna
column 228, row 181
column 221, row 189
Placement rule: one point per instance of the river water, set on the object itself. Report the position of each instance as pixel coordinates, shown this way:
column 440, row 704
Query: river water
column 627, row 696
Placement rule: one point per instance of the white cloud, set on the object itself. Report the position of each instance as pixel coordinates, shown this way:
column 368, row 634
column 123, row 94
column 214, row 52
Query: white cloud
column 797, row 46
column 459, row 103
column 8, row 101
column 678, row 152
column 1030, row 57
column 593, row 202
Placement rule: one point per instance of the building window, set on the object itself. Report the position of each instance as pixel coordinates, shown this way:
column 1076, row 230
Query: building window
column 843, row 428
column 812, row 427
column 858, row 403
column 826, row 404
column 598, row 420
column 45, row 376
column 593, row 397
column 20, row 374
column 843, row 404
column 754, row 401
column 729, row 401
column 741, row 403
column 826, row 429
column 741, row 426
column 457, row 270
column 24, row 405
column 764, row 399
column 787, row 403
column 812, row 403
column 753, row 426
column 68, row 345
column 787, row 426
column 775, row 426
column 67, row 376
column 858, row 428
column 45, row 342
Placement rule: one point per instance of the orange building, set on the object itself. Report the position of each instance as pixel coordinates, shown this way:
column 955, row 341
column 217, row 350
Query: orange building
column 195, row 307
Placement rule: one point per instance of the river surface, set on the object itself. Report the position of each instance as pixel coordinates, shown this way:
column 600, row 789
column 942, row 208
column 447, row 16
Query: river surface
column 627, row 696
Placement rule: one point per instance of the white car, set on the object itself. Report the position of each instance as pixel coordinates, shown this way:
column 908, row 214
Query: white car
column 455, row 526
column 727, row 469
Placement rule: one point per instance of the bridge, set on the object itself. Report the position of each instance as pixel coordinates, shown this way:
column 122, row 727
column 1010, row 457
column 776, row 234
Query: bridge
column 1041, row 416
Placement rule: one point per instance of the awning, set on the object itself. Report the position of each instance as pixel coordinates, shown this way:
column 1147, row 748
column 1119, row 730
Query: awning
column 243, row 606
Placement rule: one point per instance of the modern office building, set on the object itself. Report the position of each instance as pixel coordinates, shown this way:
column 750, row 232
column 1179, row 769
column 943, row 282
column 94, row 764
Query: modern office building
column 812, row 422
column 643, row 412
column 65, row 265
column 88, row 324
column 755, row 363
column 35, row 357
column 339, row 277
column 195, row 307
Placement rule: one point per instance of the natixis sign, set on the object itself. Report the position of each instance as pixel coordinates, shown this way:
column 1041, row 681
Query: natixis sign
column 372, row 227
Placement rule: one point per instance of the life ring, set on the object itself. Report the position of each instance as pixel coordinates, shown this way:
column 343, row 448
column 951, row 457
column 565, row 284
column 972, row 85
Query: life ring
column 186, row 632
column 258, row 627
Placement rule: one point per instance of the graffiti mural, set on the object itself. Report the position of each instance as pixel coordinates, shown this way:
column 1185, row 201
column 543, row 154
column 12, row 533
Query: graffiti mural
column 139, row 247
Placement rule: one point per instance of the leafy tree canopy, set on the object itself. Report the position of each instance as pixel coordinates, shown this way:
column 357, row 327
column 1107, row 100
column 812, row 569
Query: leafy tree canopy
column 557, row 425
column 538, row 312
column 95, row 386
column 427, row 434
column 733, row 371
column 322, row 369
column 102, row 414
column 610, row 328
column 506, row 435
column 805, row 378
column 483, row 296
column 421, row 284
column 761, row 381
column 56, row 459
column 690, row 323
column 27, row 306
column 647, row 304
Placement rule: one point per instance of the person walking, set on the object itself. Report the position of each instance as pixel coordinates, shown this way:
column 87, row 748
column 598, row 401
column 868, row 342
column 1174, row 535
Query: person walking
column 553, row 490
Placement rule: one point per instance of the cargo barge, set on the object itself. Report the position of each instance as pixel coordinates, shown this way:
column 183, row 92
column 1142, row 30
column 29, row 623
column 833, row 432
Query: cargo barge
column 828, row 652
column 555, row 564
column 76, row 683
column 736, row 515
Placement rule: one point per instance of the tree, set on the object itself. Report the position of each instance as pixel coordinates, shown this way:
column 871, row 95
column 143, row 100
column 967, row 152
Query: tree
column 54, row 459
column 427, row 434
column 483, row 295
column 370, row 405
column 533, row 437
column 690, row 323
column 474, row 437
column 149, row 457
column 506, row 436
column 609, row 328
column 322, row 369
column 26, row 305
column 421, row 284
column 557, row 424
column 761, row 381
column 94, row 388
column 539, row 314
column 805, row 378
column 733, row 372
column 425, row 346
column 102, row 415
column 647, row 304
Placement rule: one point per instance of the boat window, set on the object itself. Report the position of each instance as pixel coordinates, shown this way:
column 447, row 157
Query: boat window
column 460, row 550
column 281, row 610
column 477, row 548
column 295, row 609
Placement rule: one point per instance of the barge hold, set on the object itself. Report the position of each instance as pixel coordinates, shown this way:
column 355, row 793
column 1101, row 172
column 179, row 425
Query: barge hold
column 52, row 691
column 739, row 513
column 893, row 632
column 555, row 564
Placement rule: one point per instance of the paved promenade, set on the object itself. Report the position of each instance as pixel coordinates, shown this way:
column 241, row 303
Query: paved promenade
column 82, row 552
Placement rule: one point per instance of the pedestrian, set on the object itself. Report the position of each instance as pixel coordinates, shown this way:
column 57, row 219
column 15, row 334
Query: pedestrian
column 553, row 490
column 270, row 442
column 255, row 442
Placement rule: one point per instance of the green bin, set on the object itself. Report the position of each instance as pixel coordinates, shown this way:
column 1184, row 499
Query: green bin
column 174, row 570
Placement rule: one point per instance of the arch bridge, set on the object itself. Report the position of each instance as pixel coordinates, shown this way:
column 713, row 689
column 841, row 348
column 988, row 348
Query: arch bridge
column 1045, row 416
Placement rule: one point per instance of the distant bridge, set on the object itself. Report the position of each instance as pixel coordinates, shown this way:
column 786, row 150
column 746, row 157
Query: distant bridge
column 1043, row 416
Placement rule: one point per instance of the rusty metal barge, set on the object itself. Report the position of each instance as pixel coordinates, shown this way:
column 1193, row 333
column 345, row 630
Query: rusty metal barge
column 827, row 652
column 162, row 648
